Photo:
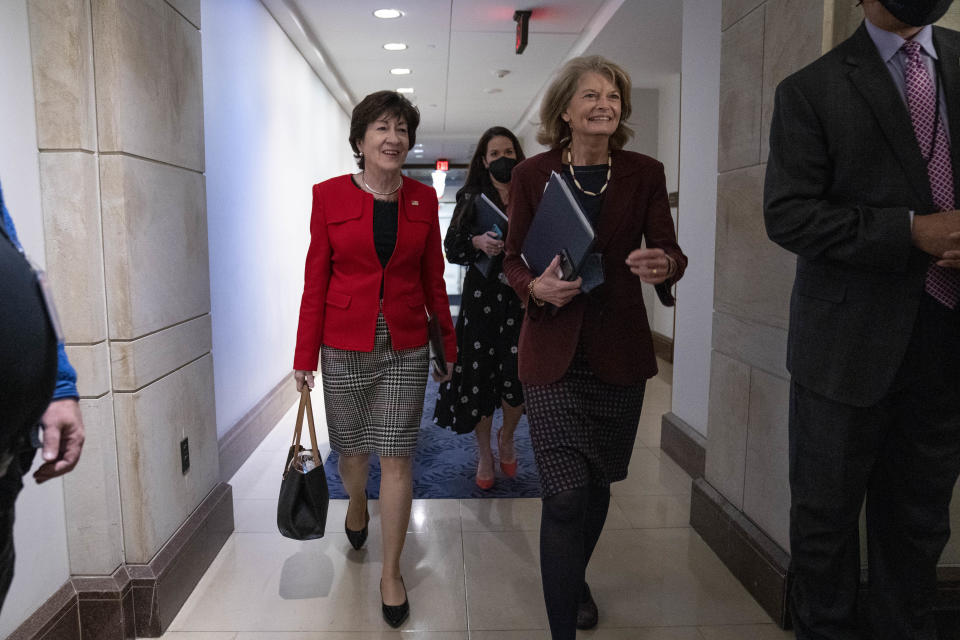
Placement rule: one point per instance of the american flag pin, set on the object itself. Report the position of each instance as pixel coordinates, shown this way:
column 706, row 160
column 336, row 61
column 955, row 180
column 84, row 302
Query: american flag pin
column 415, row 202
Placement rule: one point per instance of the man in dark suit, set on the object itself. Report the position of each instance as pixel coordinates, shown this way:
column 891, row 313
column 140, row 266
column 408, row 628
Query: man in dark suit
column 861, row 182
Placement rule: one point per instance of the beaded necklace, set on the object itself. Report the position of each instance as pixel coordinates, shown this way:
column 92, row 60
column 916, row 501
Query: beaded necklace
column 574, row 175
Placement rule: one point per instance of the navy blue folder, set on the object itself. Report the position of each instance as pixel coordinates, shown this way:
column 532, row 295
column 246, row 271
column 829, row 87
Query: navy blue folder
column 488, row 217
column 559, row 227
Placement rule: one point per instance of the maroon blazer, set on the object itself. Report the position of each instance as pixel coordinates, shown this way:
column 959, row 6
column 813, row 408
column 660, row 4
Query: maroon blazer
column 341, row 292
column 611, row 320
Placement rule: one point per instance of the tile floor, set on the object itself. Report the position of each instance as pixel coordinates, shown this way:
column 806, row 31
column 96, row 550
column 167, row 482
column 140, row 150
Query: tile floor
column 471, row 566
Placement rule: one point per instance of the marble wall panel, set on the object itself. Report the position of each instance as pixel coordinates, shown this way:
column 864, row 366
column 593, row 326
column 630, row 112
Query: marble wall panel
column 155, row 245
column 189, row 9
column 74, row 249
column 92, row 363
column 741, row 93
column 754, row 276
column 150, row 425
column 137, row 363
column 951, row 554
column 148, row 79
column 62, row 52
column 727, row 426
column 201, row 431
column 793, row 36
column 844, row 21
column 766, row 489
column 759, row 345
column 734, row 10
column 92, row 495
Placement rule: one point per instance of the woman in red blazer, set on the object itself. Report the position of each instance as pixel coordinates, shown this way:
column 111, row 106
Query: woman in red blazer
column 374, row 272
column 584, row 359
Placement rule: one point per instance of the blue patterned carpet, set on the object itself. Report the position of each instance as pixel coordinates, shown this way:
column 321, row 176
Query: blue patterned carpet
column 444, row 465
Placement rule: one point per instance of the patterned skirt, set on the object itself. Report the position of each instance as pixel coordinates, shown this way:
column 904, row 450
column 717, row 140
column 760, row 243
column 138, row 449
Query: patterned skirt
column 582, row 429
column 374, row 400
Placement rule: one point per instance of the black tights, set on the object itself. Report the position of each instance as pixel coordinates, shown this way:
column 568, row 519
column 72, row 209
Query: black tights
column 569, row 529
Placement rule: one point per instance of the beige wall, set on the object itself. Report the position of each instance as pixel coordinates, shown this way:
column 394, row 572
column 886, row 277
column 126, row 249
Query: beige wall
column 120, row 131
column 763, row 41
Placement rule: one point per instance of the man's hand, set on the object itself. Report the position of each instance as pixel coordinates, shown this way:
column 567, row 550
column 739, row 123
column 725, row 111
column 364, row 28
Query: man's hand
column 939, row 235
column 63, row 435
column 951, row 259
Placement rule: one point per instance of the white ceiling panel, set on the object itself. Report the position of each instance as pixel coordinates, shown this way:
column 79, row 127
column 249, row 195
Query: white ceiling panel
column 456, row 46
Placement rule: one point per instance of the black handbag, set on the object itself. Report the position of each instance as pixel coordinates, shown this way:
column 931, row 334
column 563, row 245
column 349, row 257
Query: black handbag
column 304, row 495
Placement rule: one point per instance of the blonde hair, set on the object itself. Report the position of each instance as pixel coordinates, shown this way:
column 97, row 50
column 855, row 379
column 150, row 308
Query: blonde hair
column 554, row 132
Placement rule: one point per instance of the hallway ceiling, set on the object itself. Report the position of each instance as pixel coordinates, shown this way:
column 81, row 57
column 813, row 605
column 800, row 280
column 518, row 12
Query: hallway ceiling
column 457, row 50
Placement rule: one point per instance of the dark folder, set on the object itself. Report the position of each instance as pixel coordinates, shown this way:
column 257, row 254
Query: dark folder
column 489, row 217
column 559, row 227
column 437, row 352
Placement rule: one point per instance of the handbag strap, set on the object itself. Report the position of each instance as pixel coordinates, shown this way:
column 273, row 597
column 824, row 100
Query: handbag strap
column 306, row 407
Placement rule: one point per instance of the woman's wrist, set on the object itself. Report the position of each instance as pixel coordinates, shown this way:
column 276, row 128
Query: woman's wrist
column 671, row 267
column 531, row 294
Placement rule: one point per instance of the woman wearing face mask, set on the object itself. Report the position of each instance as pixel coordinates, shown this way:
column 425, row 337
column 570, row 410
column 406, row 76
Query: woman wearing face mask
column 485, row 375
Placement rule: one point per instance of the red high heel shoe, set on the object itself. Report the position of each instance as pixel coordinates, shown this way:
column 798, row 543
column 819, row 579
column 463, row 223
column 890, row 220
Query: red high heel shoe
column 484, row 483
column 509, row 468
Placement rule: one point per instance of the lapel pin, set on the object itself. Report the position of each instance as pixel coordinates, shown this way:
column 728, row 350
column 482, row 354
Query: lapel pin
column 415, row 202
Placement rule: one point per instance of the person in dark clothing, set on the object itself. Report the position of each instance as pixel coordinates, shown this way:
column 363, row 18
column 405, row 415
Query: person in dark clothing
column 38, row 389
column 584, row 361
column 862, row 184
column 488, row 325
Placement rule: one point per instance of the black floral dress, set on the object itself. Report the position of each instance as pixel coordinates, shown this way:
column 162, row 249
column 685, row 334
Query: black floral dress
column 488, row 327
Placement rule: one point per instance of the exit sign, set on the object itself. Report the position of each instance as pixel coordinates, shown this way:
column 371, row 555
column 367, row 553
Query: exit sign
column 443, row 165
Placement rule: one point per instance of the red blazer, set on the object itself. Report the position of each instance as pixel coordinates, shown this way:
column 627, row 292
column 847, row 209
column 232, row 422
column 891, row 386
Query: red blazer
column 341, row 291
column 612, row 318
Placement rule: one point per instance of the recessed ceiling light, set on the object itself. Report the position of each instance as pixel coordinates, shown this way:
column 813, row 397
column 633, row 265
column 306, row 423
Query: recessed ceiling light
column 388, row 14
column 395, row 46
column 405, row 90
column 400, row 71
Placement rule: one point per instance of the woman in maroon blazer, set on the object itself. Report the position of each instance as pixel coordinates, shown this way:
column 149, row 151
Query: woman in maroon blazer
column 374, row 271
column 584, row 357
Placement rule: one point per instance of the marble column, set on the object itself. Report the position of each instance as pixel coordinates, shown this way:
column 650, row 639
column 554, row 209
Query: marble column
column 120, row 128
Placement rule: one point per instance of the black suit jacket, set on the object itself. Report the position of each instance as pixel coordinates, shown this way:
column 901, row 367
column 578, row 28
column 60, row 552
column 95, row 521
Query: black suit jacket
column 843, row 174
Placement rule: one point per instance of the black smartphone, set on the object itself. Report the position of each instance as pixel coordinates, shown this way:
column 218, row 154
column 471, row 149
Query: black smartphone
column 438, row 367
column 567, row 270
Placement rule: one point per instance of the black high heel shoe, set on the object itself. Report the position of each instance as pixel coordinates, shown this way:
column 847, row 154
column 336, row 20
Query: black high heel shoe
column 395, row 614
column 587, row 614
column 357, row 538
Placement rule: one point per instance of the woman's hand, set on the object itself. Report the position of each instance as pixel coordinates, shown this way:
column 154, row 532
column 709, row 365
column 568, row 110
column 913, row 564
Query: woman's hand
column 489, row 242
column 441, row 379
column 548, row 287
column 303, row 377
column 653, row 266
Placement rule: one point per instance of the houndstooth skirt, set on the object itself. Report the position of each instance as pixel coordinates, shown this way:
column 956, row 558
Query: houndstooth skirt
column 582, row 429
column 374, row 400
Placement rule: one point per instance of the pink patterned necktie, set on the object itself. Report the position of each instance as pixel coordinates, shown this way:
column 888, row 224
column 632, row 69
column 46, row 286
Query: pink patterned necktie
column 943, row 284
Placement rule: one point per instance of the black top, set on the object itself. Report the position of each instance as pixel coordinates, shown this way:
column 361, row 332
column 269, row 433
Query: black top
column 592, row 178
column 384, row 227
